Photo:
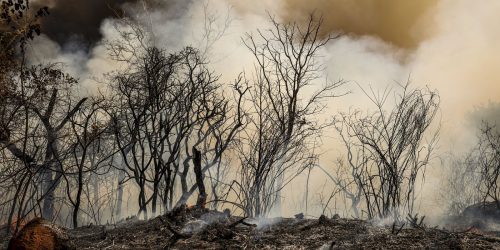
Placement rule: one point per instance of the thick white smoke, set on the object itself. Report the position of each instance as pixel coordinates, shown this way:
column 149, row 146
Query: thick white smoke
column 458, row 56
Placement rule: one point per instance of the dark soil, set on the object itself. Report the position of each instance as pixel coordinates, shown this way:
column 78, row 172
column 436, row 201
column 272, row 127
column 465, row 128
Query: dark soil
column 214, row 230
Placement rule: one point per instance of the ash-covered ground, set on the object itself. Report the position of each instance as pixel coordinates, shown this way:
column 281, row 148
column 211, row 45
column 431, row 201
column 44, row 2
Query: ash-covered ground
column 287, row 234
column 203, row 229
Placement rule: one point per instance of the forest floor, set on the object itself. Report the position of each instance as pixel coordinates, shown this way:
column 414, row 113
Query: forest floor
column 215, row 230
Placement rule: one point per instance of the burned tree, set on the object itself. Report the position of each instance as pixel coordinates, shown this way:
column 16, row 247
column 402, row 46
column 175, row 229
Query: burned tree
column 388, row 151
column 141, row 124
column 165, row 104
column 488, row 160
column 348, row 187
column 214, row 137
column 282, row 131
column 463, row 182
column 34, row 135
column 90, row 152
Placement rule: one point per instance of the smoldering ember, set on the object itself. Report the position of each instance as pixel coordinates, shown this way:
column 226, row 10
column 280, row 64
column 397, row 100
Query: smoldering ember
column 232, row 124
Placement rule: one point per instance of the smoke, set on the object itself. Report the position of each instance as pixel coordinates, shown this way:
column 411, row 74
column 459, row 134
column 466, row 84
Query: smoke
column 76, row 20
column 265, row 223
column 460, row 61
column 402, row 23
column 448, row 45
column 81, row 21
column 489, row 113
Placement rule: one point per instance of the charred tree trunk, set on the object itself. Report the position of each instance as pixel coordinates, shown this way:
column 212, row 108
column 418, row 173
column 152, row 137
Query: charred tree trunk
column 167, row 199
column 183, row 178
column 48, row 192
column 154, row 196
column 120, row 184
column 78, row 199
column 143, row 210
column 119, row 200
column 202, row 196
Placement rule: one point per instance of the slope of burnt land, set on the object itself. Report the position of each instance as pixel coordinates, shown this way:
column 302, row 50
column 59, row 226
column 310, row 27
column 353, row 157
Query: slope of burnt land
column 203, row 229
column 215, row 230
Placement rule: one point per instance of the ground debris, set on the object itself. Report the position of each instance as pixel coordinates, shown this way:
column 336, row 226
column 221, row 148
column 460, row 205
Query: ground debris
column 194, row 229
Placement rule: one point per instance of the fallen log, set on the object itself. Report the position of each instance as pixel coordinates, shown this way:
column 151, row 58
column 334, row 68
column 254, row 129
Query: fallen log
column 40, row 234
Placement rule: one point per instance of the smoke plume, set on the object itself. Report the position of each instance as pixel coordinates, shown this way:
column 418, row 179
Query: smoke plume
column 78, row 20
column 449, row 45
column 402, row 23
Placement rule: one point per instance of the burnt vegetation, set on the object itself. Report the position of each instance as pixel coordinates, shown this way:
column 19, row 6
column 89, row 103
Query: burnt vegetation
column 167, row 143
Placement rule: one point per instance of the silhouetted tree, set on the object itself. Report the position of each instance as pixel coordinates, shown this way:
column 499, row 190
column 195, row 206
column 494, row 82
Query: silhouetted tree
column 165, row 104
column 488, row 160
column 280, row 140
column 463, row 182
column 33, row 134
column 90, row 152
column 387, row 150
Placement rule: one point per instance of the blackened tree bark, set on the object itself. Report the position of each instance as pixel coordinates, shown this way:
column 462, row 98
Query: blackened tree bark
column 202, row 193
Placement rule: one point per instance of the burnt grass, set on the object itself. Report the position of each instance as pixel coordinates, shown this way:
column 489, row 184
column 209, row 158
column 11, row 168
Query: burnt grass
column 216, row 230
column 223, row 232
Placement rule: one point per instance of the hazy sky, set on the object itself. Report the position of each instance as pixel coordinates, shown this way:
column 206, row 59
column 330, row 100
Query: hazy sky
column 452, row 46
